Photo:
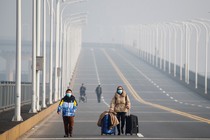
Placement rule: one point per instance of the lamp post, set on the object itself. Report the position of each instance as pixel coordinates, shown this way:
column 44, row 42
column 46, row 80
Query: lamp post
column 33, row 100
column 169, row 48
column 17, row 116
column 153, row 45
column 197, row 29
column 175, row 39
column 180, row 26
column 163, row 47
column 38, row 33
column 44, row 57
column 57, row 57
column 64, row 49
column 51, row 53
column 206, row 46
column 56, row 50
column 186, row 52
column 71, row 49
column 156, row 49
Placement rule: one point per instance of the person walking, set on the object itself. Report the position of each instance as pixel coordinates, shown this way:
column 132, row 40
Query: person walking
column 82, row 90
column 98, row 93
column 120, row 104
column 68, row 106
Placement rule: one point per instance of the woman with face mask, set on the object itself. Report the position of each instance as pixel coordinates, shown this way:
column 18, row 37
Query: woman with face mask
column 68, row 106
column 120, row 104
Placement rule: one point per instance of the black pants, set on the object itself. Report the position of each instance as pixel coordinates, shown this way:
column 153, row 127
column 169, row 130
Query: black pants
column 99, row 98
column 121, row 119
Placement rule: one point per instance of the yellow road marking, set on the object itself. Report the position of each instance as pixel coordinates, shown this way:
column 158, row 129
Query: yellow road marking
column 139, row 99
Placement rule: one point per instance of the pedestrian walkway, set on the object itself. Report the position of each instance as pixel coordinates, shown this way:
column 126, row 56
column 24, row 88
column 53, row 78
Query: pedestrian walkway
column 10, row 130
column 6, row 122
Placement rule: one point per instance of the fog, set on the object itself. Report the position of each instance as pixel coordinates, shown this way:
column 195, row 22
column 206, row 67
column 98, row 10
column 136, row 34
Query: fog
column 106, row 16
column 105, row 19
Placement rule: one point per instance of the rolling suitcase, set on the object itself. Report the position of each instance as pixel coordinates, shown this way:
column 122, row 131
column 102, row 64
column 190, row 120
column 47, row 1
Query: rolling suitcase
column 132, row 126
column 105, row 126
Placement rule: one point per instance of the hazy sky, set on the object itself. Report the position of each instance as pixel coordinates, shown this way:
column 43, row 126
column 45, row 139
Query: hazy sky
column 105, row 16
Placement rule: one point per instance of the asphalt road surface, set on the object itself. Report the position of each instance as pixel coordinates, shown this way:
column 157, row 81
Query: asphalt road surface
column 166, row 109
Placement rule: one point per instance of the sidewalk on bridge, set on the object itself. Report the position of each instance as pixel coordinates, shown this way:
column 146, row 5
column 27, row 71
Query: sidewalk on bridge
column 7, row 126
column 6, row 122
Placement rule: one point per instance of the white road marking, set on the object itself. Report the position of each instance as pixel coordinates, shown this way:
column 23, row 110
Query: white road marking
column 98, row 78
column 96, row 69
column 155, row 83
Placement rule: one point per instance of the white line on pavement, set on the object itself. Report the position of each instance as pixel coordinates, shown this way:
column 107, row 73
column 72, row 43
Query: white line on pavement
column 98, row 78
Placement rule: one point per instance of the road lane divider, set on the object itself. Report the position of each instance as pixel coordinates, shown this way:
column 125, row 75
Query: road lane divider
column 98, row 78
column 139, row 99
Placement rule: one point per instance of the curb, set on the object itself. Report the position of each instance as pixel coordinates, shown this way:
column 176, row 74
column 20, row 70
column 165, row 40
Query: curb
column 22, row 128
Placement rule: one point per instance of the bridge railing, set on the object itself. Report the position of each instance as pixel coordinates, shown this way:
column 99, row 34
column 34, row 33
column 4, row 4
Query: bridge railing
column 7, row 94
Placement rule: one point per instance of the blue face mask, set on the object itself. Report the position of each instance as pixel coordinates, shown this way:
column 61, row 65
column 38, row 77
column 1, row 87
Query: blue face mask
column 119, row 91
column 68, row 94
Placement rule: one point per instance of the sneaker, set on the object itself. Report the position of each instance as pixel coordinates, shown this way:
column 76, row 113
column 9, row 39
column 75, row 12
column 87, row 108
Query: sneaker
column 65, row 136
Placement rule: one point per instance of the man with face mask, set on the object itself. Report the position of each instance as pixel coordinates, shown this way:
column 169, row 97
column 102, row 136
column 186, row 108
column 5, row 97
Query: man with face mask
column 68, row 106
column 121, row 104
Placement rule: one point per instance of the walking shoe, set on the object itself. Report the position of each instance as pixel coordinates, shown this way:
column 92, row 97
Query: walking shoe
column 65, row 136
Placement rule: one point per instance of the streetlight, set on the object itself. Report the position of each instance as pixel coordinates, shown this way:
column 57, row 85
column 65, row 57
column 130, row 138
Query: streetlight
column 197, row 29
column 75, row 41
column 44, row 57
column 58, row 13
column 17, row 116
column 51, row 52
column 175, row 38
column 63, row 33
column 38, row 37
column 169, row 47
column 33, row 100
column 207, row 42
column 180, row 25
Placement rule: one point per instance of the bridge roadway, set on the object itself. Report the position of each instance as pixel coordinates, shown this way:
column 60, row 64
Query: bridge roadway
column 165, row 108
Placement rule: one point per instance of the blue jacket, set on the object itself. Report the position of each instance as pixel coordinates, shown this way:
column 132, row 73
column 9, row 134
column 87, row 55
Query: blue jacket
column 68, row 105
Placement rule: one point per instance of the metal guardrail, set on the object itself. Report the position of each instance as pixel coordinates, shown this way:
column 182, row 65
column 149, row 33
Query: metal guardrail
column 7, row 94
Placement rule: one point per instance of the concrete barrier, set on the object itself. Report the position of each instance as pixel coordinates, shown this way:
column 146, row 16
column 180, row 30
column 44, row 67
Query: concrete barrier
column 26, row 125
